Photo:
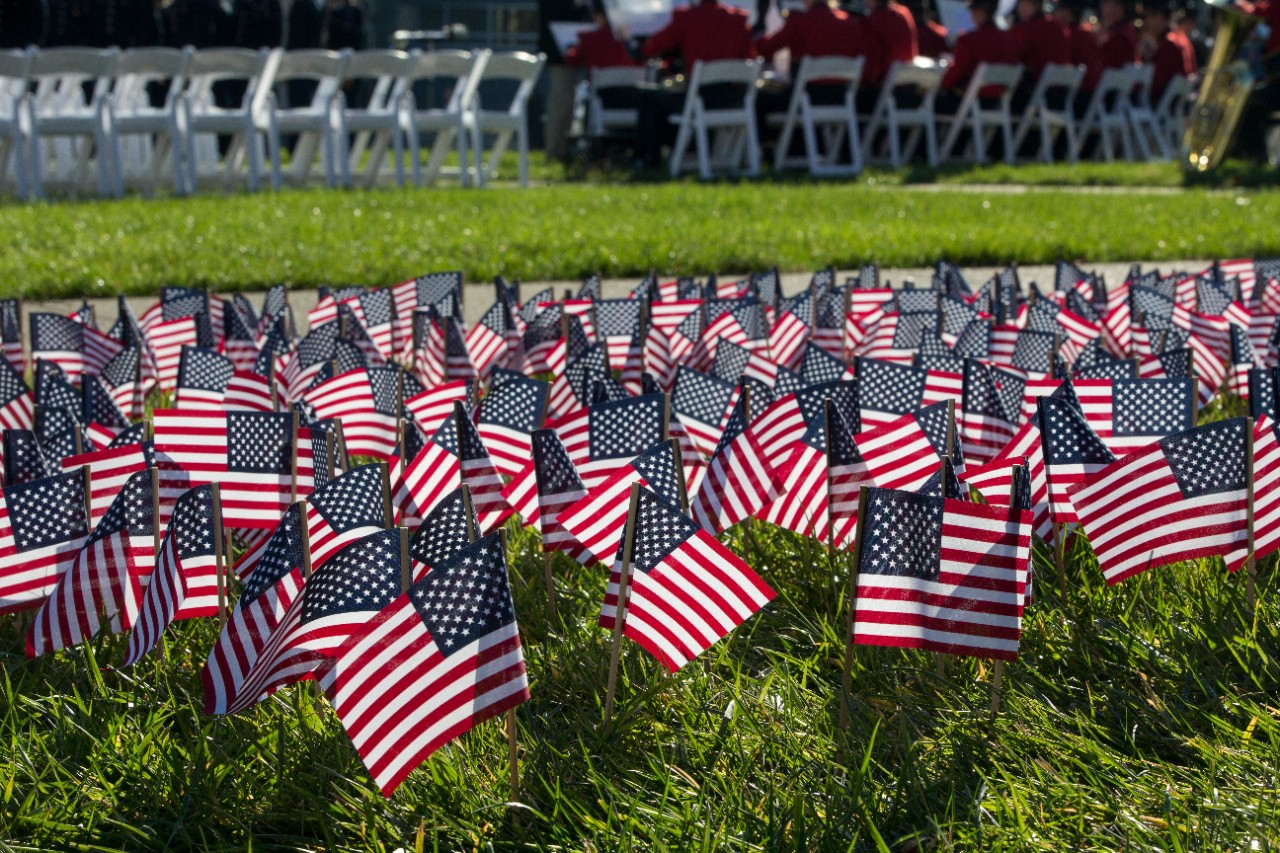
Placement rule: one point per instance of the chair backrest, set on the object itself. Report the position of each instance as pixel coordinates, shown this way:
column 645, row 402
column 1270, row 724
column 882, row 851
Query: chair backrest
column 141, row 67
column 1058, row 76
column 61, row 72
column 1140, row 77
column 847, row 69
column 315, row 64
column 741, row 71
column 15, row 71
column 1173, row 98
column 1114, row 80
column 388, row 69
column 618, row 77
column 461, row 66
column 516, row 67
column 253, row 67
column 998, row 74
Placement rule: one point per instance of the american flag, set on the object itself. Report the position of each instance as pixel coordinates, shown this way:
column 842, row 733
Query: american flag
column 43, row 524
column 942, row 575
column 741, row 321
column 375, row 311
column 616, row 432
column 166, row 340
column 989, row 408
column 540, row 338
column 241, row 341
column 1266, row 486
column 1243, row 359
column 453, row 456
column 1125, row 413
column 886, row 391
column 250, row 453
column 430, row 665
column 487, row 340
column 24, row 460
column 443, row 533
column 203, row 375
column 299, row 369
column 248, row 391
column 53, row 390
column 1183, row 497
column 598, row 518
column 59, row 431
column 571, row 387
column 11, row 333
column 1071, row 451
column 618, row 321
column 368, row 402
column 109, row 470
column 789, row 338
column 340, row 598
column 901, row 455
column 74, row 347
column 702, row 403
column 686, row 591
column 103, row 586
column 784, row 422
column 430, row 408
column 739, row 481
column 559, row 487
column 185, row 582
column 17, row 405
column 802, row 504
column 125, row 381
column 508, row 414
column 818, row 367
column 99, row 407
column 430, row 359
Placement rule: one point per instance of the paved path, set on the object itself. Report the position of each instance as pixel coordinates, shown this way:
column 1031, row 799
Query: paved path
column 479, row 297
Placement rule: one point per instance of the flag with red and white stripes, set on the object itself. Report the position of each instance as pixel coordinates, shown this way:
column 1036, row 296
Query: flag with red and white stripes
column 17, row 404
column 249, row 392
column 509, row 413
column 203, row 375
column 559, row 487
column 1183, row 497
column 184, row 584
column 43, row 525
column 431, row 664
column 942, row 575
column 109, row 470
column 739, row 480
column 367, row 401
column 104, row 584
column 686, row 591
column 454, row 455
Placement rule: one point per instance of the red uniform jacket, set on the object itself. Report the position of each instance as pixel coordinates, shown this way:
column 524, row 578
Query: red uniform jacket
column 1085, row 51
column 823, row 31
column 895, row 29
column 1173, row 56
column 932, row 39
column 704, row 33
column 1119, row 46
column 988, row 43
column 1042, row 40
column 598, row 48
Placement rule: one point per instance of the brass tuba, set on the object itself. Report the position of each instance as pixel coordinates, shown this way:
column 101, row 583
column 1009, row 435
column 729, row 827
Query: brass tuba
column 1225, row 89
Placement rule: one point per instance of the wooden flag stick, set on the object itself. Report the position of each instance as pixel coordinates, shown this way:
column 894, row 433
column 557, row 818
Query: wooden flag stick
column 827, row 405
column 304, row 531
column 846, row 677
column 1251, row 564
column 1059, row 535
column 468, row 512
column 78, row 437
column 156, row 531
column 513, row 742
column 406, row 568
column 549, row 577
column 388, row 519
column 681, row 486
column 620, row 611
column 219, row 554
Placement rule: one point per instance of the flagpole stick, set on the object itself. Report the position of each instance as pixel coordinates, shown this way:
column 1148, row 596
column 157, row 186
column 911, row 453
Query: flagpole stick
column 939, row 659
column 513, row 741
column 1195, row 401
column 846, row 677
column 1059, row 535
column 156, row 530
column 620, row 610
column 997, row 670
column 1251, row 564
column 78, row 439
column 681, row 486
column 219, row 555
column 388, row 518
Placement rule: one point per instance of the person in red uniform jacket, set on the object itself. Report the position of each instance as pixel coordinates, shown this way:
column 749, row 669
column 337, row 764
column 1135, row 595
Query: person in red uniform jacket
column 703, row 33
column 984, row 43
column 931, row 36
column 1118, row 42
column 895, row 29
column 1040, row 39
column 1168, row 51
column 599, row 48
column 1084, row 49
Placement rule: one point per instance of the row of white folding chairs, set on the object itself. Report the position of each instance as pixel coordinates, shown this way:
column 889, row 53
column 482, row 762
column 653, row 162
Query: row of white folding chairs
column 726, row 136
column 66, row 107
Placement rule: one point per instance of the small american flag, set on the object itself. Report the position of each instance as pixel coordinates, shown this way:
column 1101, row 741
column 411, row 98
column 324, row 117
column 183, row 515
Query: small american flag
column 739, row 481
column 802, row 502
column 430, row 665
column 431, row 407
column 43, row 524
column 443, row 533
column 166, row 340
column 559, row 487
column 248, row 391
column 17, row 405
column 126, row 382
column 617, row 431
column 507, row 416
column 702, row 403
column 686, row 590
column 339, row 598
column 790, row 335
column 887, row 391
column 99, row 406
column 53, row 389
column 487, row 340
column 24, row 460
column 1071, row 450
column 109, row 470
column 368, row 404
column 104, row 584
column 250, row 453
column 942, row 575
column 454, row 455
column 73, row 346
column 598, row 518
column 989, row 408
column 1181, row 498
column 11, row 334
column 203, row 375
column 184, row 584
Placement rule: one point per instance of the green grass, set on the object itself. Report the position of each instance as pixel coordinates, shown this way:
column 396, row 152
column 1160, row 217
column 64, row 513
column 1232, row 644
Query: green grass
column 565, row 231
column 1141, row 717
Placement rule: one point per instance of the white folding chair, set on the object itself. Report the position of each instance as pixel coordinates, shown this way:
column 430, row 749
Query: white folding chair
column 314, row 123
column 15, row 72
column 600, row 121
column 448, row 123
column 1172, row 110
column 1105, row 115
column 838, row 122
column 376, row 125
column 983, row 121
column 78, row 129
column 1058, row 83
column 736, row 141
column 204, row 120
column 145, row 136
column 503, row 123
column 891, row 118
column 1142, row 118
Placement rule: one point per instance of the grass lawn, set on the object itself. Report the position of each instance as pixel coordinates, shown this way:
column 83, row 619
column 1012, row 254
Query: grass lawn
column 564, row 230
column 1141, row 717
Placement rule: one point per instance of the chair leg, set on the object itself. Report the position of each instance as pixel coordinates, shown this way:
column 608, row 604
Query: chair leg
column 753, row 146
column 397, row 146
column 895, row 144
column 522, row 144
column 678, row 149
column 704, row 152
